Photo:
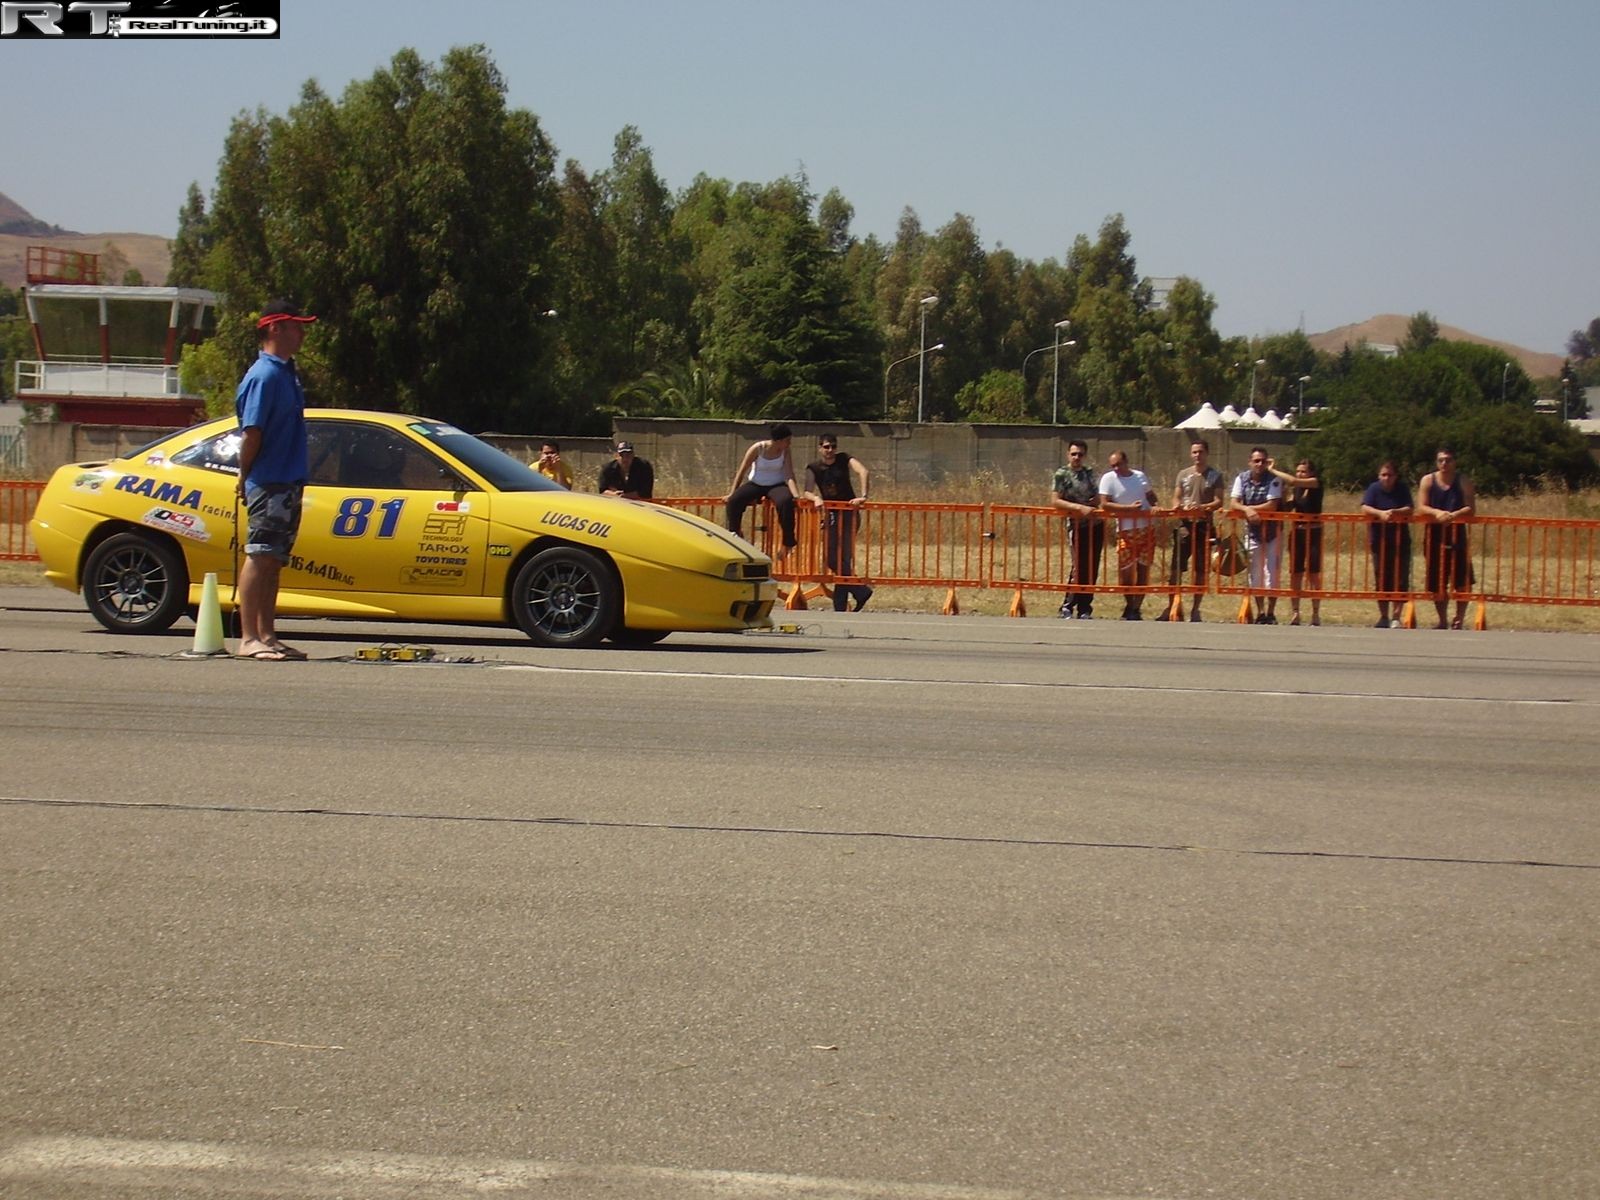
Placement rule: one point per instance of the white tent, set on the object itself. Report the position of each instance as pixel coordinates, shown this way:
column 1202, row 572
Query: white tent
column 1229, row 415
column 1250, row 418
column 1204, row 417
column 1271, row 420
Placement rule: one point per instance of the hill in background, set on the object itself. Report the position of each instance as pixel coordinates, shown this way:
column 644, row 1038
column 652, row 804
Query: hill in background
column 152, row 255
column 1389, row 329
column 19, row 229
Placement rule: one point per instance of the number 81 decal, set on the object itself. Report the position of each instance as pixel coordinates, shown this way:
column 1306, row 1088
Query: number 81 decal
column 355, row 514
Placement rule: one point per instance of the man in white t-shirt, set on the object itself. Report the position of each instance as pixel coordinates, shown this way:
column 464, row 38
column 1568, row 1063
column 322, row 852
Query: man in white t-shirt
column 1126, row 494
column 1257, row 492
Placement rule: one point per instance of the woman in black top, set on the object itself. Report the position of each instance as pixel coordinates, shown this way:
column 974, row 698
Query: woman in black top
column 1303, row 494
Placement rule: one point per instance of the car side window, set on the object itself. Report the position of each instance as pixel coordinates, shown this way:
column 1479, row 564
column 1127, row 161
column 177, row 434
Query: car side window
column 346, row 454
column 219, row 453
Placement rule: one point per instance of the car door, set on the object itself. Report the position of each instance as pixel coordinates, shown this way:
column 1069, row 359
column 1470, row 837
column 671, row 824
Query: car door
column 385, row 514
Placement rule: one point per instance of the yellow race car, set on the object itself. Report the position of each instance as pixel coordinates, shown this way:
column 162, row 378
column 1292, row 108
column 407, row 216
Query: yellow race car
column 404, row 519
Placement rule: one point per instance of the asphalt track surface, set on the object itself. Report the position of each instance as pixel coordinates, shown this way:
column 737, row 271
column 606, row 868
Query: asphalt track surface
column 890, row 906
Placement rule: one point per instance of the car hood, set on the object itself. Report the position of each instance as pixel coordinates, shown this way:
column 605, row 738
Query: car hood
column 667, row 534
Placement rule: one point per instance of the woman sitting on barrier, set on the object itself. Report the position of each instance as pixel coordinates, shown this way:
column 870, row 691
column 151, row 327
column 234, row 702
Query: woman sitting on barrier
column 766, row 471
column 1389, row 537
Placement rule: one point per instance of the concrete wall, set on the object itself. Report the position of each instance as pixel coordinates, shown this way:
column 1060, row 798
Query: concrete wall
column 700, row 456
column 697, row 458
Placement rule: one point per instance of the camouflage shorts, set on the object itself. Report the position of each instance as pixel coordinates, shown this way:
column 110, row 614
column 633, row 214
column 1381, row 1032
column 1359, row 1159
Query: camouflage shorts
column 274, row 512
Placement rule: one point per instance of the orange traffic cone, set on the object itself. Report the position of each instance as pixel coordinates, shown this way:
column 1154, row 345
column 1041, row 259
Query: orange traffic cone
column 1019, row 606
column 952, row 607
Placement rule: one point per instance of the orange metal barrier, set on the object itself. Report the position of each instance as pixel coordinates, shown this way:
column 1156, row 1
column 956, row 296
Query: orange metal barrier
column 1022, row 548
column 17, row 502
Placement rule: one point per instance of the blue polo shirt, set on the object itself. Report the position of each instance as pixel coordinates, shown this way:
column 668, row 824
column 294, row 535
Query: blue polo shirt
column 270, row 398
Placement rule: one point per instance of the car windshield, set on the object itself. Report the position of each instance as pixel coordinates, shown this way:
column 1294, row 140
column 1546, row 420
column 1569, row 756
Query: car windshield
column 502, row 471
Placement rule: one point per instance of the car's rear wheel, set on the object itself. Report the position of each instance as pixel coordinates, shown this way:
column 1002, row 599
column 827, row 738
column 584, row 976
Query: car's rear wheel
column 565, row 597
column 134, row 583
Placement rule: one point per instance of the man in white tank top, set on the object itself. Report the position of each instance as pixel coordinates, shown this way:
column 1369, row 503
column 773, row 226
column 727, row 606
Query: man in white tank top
column 766, row 471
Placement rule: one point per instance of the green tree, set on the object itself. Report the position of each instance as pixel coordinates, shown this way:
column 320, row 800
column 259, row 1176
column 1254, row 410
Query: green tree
column 1421, row 332
column 193, row 243
column 415, row 215
column 776, row 311
column 996, row 398
column 1584, row 344
column 636, row 212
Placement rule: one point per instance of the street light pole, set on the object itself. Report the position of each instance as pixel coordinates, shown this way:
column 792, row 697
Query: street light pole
column 925, row 304
column 1260, row 362
column 930, row 350
column 1503, row 376
column 1055, row 383
column 1301, row 411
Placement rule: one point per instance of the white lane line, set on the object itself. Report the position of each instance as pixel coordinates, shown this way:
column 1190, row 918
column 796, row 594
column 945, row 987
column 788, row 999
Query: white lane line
column 216, row 1168
column 1141, row 688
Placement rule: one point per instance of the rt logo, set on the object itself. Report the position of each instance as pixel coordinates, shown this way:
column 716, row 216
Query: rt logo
column 22, row 19
column 46, row 18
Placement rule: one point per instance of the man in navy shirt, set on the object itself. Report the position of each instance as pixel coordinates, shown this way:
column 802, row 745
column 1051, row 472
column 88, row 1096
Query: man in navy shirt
column 273, row 465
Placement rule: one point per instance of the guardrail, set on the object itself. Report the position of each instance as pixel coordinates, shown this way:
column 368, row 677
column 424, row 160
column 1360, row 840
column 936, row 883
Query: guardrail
column 18, row 499
column 91, row 379
column 1025, row 549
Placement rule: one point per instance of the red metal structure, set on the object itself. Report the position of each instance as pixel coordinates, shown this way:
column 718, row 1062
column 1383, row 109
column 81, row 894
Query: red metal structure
column 107, row 354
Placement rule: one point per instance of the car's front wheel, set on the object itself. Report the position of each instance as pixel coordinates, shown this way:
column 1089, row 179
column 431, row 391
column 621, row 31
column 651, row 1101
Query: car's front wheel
column 565, row 597
column 135, row 584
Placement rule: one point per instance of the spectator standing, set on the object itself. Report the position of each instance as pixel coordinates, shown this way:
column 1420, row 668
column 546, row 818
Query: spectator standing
column 766, row 472
column 1448, row 499
column 1257, row 492
column 1075, row 493
column 1303, row 495
column 1388, row 501
column 628, row 476
column 274, row 462
column 551, row 466
column 1126, row 494
column 834, row 477
column 1197, row 494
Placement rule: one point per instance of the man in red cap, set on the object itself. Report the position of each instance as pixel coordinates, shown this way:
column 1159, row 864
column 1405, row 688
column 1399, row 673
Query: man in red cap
column 273, row 465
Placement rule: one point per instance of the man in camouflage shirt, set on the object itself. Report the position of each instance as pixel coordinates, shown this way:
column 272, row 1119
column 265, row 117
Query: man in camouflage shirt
column 1074, row 492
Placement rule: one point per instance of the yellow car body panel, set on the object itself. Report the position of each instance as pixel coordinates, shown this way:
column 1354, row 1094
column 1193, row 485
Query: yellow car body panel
column 403, row 518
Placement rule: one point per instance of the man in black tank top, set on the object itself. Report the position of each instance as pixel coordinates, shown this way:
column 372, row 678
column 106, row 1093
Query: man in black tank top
column 1446, row 499
column 834, row 478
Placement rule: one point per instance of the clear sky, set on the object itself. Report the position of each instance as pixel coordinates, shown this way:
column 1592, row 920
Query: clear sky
column 1309, row 164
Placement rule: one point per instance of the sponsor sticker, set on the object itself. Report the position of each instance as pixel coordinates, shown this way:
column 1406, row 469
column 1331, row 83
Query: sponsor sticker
column 185, row 525
column 444, row 528
column 453, row 506
column 455, row 575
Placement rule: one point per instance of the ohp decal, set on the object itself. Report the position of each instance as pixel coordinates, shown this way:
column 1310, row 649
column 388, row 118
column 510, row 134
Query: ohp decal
column 138, row 18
